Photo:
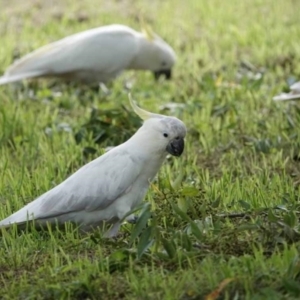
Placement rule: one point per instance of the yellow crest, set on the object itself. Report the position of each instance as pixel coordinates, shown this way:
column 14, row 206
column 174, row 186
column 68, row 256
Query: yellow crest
column 147, row 30
column 143, row 114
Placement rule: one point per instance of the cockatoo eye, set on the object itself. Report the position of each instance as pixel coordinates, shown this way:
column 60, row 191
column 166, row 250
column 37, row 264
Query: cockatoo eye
column 166, row 135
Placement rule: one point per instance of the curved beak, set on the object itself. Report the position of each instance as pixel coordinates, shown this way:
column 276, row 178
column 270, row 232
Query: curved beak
column 176, row 147
column 166, row 73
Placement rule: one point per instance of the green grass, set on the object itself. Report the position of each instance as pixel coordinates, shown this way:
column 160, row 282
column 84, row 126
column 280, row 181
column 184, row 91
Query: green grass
column 242, row 155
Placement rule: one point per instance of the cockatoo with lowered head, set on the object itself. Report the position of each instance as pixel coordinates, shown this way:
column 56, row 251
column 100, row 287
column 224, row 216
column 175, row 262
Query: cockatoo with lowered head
column 105, row 190
column 294, row 94
column 96, row 56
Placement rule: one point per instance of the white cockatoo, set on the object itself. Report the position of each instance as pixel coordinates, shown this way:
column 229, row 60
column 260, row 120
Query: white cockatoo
column 294, row 94
column 96, row 56
column 105, row 190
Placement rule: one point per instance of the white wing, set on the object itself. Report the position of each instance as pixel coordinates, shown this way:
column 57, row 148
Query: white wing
column 286, row 97
column 93, row 187
column 293, row 95
column 103, row 51
column 295, row 87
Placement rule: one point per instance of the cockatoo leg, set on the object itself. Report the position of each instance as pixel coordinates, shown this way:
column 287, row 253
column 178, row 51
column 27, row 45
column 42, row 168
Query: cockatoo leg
column 132, row 219
column 113, row 231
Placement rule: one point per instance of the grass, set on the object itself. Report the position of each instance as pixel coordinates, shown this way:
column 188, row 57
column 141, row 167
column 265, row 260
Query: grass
column 228, row 209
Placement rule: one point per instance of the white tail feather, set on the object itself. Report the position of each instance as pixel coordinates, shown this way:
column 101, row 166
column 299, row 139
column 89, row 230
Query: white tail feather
column 13, row 78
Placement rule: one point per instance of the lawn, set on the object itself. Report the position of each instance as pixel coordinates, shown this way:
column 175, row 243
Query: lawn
column 223, row 219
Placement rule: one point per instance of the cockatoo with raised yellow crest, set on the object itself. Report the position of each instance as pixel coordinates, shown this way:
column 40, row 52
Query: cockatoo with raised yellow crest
column 96, row 56
column 105, row 190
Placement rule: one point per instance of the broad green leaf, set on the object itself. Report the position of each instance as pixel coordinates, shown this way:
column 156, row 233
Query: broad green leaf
column 189, row 191
column 182, row 204
column 145, row 241
column 170, row 247
column 216, row 202
column 196, row 231
column 290, row 219
column 186, row 242
column 118, row 255
column 180, row 213
column 292, row 286
column 245, row 205
column 176, row 183
column 271, row 216
column 141, row 223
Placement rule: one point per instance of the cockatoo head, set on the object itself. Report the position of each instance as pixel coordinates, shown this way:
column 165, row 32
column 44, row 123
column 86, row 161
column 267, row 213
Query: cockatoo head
column 165, row 60
column 154, row 54
column 167, row 132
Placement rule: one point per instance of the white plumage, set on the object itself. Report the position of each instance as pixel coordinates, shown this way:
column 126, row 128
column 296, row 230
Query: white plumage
column 95, row 55
column 294, row 94
column 106, row 189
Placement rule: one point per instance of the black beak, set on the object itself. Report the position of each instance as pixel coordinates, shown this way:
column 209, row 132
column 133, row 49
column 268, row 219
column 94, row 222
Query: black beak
column 166, row 73
column 176, row 147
